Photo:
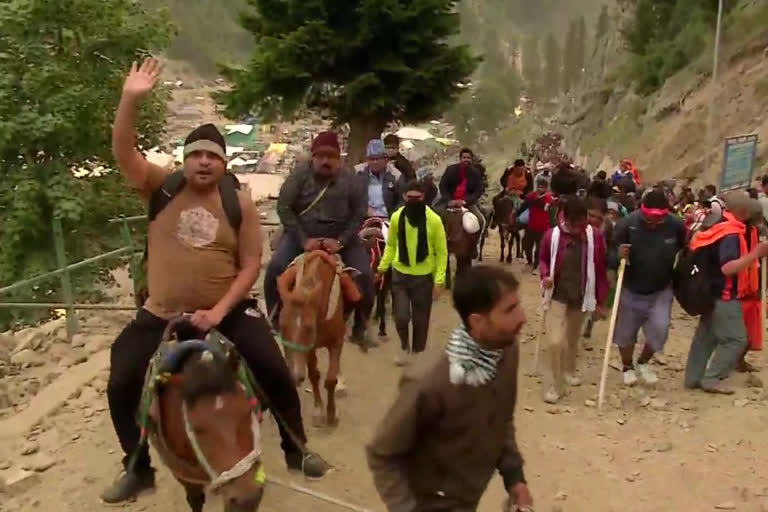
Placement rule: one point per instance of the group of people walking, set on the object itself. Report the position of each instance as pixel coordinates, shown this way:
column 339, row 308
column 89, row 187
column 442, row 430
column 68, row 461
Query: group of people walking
column 596, row 223
column 452, row 422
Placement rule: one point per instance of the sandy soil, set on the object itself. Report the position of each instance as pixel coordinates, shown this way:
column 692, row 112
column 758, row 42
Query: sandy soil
column 683, row 451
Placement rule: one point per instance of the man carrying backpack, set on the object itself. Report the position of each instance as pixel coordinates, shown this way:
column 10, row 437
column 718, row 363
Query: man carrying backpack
column 732, row 271
column 649, row 239
column 204, row 254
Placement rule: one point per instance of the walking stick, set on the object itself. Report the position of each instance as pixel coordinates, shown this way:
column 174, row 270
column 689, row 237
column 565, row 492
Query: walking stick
column 764, row 283
column 539, row 333
column 611, row 328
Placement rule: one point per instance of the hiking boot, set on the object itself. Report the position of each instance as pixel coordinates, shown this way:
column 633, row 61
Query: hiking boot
column 310, row 464
column 572, row 380
column 647, row 374
column 630, row 377
column 402, row 359
column 363, row 341
column 128, row 487
column 551, row 396
column 715, row 386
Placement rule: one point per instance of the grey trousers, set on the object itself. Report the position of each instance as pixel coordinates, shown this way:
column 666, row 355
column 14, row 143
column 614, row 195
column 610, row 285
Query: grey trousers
column 721, row 336
column 412, row 303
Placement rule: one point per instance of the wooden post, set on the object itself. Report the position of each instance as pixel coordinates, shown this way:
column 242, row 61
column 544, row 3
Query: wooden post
column 125, row 229
column 66, row 282
column 611, row 329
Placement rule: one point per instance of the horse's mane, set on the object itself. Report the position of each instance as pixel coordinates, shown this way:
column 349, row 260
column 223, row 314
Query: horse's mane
column 206, row 377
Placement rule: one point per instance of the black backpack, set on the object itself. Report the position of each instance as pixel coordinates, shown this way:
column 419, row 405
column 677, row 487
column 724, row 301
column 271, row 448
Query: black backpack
column 692, row 281
column 174, row 183
column 160, row 198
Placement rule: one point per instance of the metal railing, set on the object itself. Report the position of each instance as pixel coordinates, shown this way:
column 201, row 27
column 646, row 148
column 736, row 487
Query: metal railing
column 64, row 271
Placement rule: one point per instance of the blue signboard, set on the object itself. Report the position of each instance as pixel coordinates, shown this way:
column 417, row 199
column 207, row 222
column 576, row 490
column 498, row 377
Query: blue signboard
column 739, row 162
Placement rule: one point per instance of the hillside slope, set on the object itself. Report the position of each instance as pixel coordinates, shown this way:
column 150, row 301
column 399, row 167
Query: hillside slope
column 667, row 133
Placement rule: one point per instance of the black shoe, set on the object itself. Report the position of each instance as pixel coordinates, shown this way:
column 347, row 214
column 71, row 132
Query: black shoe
column 310, row 464
column 128, row 487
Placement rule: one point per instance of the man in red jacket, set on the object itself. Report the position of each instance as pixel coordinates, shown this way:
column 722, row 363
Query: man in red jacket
column 537, row 203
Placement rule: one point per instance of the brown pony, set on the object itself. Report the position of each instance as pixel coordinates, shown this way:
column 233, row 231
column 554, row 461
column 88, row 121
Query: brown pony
column 505, row 218
column 372, row 236
column 203, row 423
column 316, row 294
column 460, row 243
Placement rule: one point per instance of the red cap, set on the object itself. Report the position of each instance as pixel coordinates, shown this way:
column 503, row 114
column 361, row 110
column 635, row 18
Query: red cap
column 326, row 141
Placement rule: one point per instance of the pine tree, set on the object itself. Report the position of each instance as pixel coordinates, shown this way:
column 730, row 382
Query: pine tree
column 365, row 63
column 532, row 65
column 603, row 24
column 580, row 50
column 569, row 60
column 553, row 65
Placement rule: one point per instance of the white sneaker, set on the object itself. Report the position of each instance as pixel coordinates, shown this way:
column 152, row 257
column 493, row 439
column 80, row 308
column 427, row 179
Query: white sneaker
column 551, row 396
column 402, row 359
column 647, row 374
column 341, row 387
column 630, row 378
column 572, row 380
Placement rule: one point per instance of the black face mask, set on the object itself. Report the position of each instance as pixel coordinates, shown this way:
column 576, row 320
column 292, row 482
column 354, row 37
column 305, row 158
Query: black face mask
column 415, row 210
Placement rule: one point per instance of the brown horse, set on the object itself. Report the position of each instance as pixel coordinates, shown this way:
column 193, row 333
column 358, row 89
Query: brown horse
column 316, row 294
column 505, row 218
column 203, row 421
column 373, row 238
column 461, row 244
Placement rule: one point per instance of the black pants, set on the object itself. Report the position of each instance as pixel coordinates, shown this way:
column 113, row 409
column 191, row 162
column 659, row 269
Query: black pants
column 412, row 301
column 250, row 333
column 531, row 246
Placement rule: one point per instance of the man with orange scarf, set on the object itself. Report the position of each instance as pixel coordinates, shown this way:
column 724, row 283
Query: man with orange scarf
column 734, row 271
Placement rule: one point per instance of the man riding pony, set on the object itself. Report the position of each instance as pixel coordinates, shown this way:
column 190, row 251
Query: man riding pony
column 322, row 207
column 204, row 247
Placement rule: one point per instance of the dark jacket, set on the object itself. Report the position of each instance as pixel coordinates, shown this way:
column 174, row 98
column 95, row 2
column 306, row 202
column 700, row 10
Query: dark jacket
column 653, row 253
column 390, row 188
column 338, row 214
column 439, row 444
column 405, row 167
column 450, row 181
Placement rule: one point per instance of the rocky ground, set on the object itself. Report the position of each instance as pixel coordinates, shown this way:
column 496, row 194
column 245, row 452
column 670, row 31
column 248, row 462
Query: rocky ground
column 662, row 449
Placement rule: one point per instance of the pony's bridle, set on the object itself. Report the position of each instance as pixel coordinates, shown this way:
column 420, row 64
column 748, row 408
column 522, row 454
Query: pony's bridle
column 245, row 464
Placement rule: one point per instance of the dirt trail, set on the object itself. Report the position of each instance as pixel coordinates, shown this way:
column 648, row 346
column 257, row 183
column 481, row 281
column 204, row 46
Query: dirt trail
column 651, row 450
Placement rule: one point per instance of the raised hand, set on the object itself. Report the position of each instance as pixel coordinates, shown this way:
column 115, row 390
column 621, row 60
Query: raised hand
column 141, row 80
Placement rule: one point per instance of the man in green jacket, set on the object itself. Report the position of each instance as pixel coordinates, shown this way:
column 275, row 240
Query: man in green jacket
column 417, row 252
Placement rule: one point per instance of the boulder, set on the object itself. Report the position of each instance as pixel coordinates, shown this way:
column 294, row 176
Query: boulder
column 26, row 358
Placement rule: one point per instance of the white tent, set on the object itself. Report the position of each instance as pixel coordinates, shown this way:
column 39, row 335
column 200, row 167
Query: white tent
column 413, row 133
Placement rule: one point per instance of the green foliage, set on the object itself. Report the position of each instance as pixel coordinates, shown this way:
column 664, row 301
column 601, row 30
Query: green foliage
column 666, row 35
column 62, row 66
column 363, row 61
column 554, row 62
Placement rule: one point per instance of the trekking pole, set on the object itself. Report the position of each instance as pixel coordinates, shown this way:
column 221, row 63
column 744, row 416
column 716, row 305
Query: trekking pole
column 611, row 328
column 539, row 333
column 763, row 283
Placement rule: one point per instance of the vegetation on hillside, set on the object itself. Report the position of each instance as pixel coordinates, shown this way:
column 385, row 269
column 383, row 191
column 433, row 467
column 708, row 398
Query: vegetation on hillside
column 209, row 33
column 664, row 36
column 62, row 68
column 365, row 63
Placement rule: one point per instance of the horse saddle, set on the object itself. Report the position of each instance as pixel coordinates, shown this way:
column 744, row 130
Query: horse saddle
column 375, row 227
column 171, row 355
column 345, row 276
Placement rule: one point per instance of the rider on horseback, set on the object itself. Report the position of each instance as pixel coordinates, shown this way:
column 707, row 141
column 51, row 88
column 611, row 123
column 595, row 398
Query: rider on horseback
column 322, row 207
column 197, row 263
column 383, row 196
column 461, row 186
